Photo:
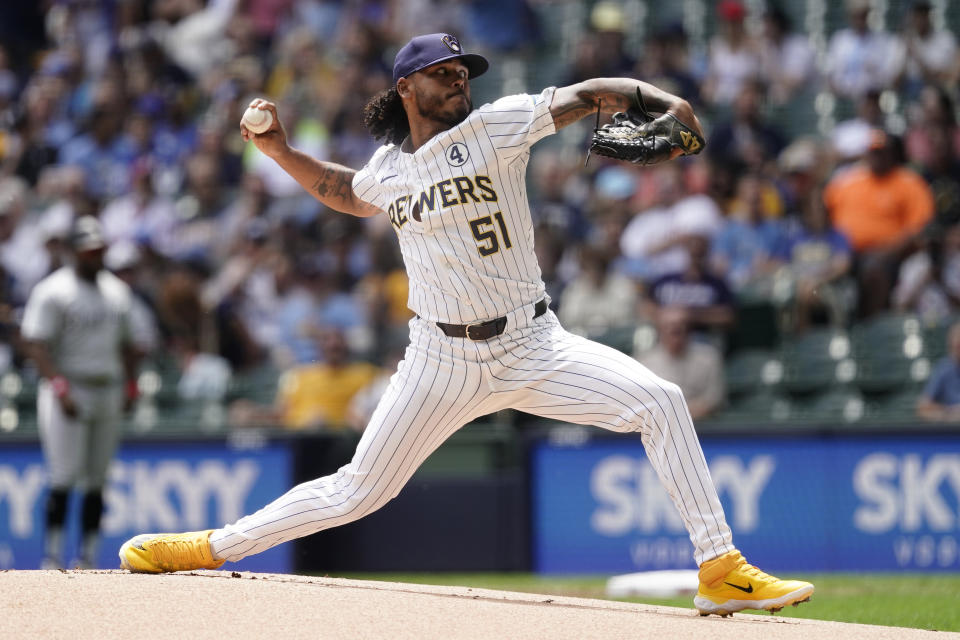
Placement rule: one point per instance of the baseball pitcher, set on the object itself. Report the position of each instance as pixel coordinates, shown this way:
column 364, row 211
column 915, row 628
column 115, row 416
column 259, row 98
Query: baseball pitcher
column 451, row 179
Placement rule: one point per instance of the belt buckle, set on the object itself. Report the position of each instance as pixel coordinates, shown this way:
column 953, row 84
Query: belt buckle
column 471, row 326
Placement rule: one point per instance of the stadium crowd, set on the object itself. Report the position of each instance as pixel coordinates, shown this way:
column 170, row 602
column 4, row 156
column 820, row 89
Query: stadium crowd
column 128, row 110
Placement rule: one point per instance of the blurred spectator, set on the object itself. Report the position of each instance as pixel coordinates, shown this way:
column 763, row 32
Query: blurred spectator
column 734, row 58
column 929, row 56
column 123, row 258
column 746, row 138
column 696, row 366
column 597, row 299
column 313, row 395
column 933, row 129
column 504, row 25
column 141, row 215
column 942, row 172
column 610, row 208
column 384, row 292
column 742, row 249
column 706, row 297
column 851, row 138
column 929, row 280
column 816, row 261
column 101, row 153
column 304, row 74
column 880, row 206
column 559, row 195
column 860, row 58
column 940, row 400
column 204, row 377
column 24, row 260
column 202, row 203
column 654, row 242
column 549, row 246
column 802, row 167
column 665, row 63
column 649, row 243
column 195, row 36
column 787, row 61
column 249, row 283
column 365, row 401
column 601, row 52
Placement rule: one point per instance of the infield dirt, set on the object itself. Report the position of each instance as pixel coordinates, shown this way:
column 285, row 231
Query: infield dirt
column 96, row 605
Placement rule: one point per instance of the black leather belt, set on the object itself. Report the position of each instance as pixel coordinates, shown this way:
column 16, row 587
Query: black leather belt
column 489, row 328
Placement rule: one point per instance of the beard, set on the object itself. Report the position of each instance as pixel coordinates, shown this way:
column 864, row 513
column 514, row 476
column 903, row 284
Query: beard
column 442, row 109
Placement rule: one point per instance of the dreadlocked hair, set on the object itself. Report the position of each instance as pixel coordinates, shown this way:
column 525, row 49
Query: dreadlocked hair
column 385, row 117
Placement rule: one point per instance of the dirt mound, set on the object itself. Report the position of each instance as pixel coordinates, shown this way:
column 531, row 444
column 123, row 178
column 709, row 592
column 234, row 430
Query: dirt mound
column 83, row 605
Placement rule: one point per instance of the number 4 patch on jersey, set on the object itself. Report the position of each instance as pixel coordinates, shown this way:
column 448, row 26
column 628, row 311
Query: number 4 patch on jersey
column 457, row 154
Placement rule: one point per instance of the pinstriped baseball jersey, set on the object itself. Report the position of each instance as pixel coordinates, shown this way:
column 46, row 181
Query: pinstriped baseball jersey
column 459, row 207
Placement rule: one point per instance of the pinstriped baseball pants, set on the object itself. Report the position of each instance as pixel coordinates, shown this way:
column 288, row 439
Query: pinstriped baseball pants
column 444, row 383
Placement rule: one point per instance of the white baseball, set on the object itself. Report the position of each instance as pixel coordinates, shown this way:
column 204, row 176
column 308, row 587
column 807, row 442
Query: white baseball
column 256, row 120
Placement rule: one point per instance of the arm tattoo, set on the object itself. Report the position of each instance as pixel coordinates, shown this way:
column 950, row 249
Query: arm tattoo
column 610, row 94
column 333, row 183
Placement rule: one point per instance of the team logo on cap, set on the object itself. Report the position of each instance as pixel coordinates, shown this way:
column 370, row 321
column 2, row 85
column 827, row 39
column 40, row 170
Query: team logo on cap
column 452, row 43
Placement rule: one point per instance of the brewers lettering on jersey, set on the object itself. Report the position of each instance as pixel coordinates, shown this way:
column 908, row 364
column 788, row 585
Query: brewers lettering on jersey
column 451, row 179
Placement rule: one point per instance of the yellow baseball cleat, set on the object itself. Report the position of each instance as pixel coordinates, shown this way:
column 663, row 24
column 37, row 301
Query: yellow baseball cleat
column 164, row 552
column 728, row 584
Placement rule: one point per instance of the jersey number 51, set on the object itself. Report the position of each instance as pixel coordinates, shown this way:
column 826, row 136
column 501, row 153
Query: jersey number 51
column 486, row 234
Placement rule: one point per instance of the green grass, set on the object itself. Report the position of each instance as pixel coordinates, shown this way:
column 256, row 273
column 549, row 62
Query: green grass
column 897, row 600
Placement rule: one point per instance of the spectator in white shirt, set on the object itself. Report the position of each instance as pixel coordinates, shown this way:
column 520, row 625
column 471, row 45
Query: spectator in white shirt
column 696, row 366
column 860, row 59
column 929, row 56
column 786, row 58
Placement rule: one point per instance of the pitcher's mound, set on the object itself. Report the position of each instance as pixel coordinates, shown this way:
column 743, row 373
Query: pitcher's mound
column 95, row 605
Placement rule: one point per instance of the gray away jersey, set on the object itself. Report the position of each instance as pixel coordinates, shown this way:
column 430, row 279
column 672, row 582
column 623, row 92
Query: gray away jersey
column 459, row 207
column 83, row 324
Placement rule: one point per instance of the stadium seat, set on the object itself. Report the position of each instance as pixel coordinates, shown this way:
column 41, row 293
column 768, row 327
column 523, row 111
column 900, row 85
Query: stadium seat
column 620, row 338
column 838, row 405
column 817, row 360
column 752, row 369
column 766, row 407
column 895, row 407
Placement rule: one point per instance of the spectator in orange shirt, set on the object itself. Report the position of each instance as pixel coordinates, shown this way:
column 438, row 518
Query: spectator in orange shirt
column 880, row 206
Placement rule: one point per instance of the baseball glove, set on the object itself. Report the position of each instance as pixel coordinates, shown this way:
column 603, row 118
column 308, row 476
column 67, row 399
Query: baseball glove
column 638, row 137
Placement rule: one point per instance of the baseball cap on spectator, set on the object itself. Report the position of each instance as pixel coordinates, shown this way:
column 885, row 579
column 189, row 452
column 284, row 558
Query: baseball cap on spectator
column 799, row 157
column 424, row 51
column 607, row 16
column 87, row 235
column 731, row 10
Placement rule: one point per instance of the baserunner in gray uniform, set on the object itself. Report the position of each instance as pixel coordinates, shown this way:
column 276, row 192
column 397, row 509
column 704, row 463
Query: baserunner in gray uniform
column 77, row 329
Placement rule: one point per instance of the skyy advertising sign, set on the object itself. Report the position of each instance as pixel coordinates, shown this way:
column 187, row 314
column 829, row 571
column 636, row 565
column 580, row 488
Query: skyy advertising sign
column 151, row 488
column 810, row 504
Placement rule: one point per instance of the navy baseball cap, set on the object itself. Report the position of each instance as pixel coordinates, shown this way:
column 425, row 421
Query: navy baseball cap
column 423, row 51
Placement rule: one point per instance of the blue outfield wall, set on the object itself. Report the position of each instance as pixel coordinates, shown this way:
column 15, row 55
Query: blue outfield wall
column 884, row 503
column 152, row 487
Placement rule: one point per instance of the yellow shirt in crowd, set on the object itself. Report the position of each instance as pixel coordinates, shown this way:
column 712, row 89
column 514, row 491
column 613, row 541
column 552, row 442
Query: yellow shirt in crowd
column 319, row 394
